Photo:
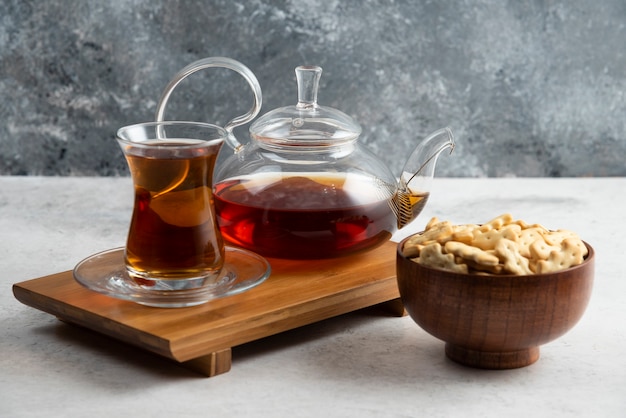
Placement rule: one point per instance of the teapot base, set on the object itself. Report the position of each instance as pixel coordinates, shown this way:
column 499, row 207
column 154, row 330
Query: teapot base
column 314, row 251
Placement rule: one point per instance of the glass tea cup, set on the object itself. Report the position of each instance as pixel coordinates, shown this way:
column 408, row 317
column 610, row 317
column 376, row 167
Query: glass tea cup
column 173, row 241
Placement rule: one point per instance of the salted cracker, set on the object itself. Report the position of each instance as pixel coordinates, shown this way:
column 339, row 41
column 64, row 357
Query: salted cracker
column 432, row 255
column 540, row 249
column 433, row 221
column 464, row 233
column 527, row 237
column 482, row 268
column 556, row 237
column 571, row 254
column 508, row 253
column 487, row 240
column 440, row 232
column 497, row 223
column 524, row 225
column 411, row 251
column 468, row 252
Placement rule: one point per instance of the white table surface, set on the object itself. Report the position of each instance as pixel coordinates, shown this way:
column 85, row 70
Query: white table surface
column 364, row 364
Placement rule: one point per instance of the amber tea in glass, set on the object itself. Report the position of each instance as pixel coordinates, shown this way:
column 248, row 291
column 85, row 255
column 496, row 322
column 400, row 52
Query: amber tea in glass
column 173, row 240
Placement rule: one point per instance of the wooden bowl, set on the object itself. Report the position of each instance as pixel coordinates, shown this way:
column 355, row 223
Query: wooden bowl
column 494, row 322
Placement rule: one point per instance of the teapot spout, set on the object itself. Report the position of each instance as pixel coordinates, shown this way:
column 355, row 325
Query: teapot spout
column 414, row 185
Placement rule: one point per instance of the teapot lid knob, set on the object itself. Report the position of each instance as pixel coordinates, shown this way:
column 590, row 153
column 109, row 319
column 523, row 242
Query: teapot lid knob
column 307, row 123
column 308, row 77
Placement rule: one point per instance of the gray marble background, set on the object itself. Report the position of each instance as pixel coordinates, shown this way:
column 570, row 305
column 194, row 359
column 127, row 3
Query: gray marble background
column 530, row 88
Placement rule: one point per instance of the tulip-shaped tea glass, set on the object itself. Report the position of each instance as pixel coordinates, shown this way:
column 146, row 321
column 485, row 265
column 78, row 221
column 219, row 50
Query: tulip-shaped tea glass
column 174, row 254
column 173, row 241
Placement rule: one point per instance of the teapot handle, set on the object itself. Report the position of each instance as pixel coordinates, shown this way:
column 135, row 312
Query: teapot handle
column 217, row 62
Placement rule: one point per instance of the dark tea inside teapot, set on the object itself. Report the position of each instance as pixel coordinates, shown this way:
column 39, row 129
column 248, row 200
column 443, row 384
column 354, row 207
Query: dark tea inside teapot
column 303, row 215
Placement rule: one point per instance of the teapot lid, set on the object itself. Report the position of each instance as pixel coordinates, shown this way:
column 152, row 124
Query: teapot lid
column 307, row 123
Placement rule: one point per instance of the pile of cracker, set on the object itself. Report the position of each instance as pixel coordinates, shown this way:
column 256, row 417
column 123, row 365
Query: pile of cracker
column 500, row 246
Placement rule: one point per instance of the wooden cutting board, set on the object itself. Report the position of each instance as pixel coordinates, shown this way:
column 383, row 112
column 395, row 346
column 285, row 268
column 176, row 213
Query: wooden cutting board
column 297, row 293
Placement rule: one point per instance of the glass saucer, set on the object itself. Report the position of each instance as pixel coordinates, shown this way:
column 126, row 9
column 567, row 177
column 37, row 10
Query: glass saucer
column 105, row 273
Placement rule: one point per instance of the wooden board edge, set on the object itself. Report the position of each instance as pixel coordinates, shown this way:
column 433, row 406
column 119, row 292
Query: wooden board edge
column 86, row 319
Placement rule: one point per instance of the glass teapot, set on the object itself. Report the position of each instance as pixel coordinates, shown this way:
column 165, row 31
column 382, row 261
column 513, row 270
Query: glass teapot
column 303, row 187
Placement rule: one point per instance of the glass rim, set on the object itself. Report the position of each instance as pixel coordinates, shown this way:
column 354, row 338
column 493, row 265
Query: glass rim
column 220, row 133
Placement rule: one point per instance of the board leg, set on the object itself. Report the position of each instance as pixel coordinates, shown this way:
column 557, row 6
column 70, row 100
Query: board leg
column 211, row 364
column 394, row 307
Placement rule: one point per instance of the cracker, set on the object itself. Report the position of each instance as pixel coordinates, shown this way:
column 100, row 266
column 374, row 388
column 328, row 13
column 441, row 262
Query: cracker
column 527, row 237
column 432, row 255
column 411, row 251
column 497, row 222
column 540, row 249
column 468, row 252
column 487, row 240
column 484, row 269
column 556, row 237
column 433, row 221
column 440, row 232
column 576, row 242
column 571, row 254
column 463, row 233
column 525, row 225
column 508, row 253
